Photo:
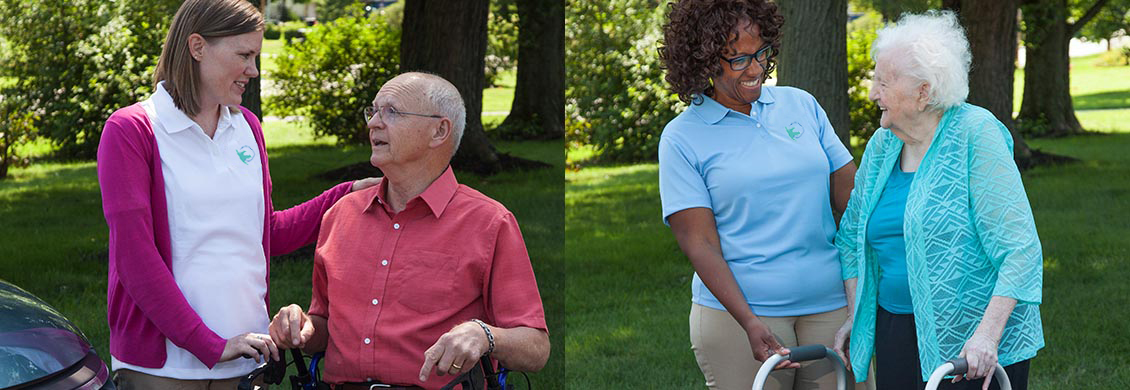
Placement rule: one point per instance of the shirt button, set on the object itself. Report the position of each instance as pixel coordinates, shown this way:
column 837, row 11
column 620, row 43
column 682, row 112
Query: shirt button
column 368, row 379
column 755, row 113
column 384, row 262
column 375, row 301
column 758, row 125
column 396, row 226
column 367, row 341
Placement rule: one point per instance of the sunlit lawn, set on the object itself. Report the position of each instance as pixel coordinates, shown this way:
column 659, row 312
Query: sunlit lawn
column 629, row 301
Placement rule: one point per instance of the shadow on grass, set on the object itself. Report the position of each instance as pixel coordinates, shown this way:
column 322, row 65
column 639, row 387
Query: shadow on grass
column 628, row 304
column 53, row 235
column 1102, row 100
column 629, row 286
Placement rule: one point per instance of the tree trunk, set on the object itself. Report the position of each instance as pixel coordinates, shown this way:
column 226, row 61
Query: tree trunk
column 252, row 98
column 449, row 38
column 1047, row 109
column 814, row 56
column 539, row 97
column 991, row 27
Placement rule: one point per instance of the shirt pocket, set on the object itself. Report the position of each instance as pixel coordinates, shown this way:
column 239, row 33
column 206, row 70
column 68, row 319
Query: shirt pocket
column 428, row 280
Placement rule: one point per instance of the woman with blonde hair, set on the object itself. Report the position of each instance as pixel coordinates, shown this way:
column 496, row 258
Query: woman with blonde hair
column 186, row 192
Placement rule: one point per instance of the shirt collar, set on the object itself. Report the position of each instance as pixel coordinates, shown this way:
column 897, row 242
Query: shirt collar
column 173, row 119
column 437, row 196
column 712, row 112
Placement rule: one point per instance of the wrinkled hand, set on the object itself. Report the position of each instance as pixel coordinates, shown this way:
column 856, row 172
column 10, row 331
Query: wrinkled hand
column 367, row 182
column 980, row 352
column 456, row 352
column 765, row 344
column 250, row 345
column 291, row 327
column 842, row 344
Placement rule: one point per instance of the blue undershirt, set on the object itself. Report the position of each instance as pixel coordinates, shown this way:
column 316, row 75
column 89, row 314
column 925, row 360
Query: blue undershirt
column 885, row 236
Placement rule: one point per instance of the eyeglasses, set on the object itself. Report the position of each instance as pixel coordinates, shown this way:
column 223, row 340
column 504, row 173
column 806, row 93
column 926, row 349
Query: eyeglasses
column 739, row 64
column 389, row 114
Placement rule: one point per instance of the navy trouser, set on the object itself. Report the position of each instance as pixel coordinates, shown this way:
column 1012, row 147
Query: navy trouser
column 896, row 358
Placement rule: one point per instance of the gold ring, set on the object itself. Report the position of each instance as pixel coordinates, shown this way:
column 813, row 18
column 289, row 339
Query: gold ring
column 456, row 366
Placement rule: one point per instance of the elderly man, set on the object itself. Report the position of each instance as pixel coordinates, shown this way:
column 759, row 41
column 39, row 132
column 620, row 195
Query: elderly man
column 418, row 274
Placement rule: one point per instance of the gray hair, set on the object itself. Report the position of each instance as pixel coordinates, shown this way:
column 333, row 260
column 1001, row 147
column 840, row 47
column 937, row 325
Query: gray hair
column 936, row 51
column 446, row 99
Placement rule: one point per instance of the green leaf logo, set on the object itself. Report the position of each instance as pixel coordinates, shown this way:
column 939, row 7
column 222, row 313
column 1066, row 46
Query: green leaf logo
column 246, row 154
column 794, row 130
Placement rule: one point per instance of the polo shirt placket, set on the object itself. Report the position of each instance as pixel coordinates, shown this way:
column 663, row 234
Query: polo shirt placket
column 765, row 176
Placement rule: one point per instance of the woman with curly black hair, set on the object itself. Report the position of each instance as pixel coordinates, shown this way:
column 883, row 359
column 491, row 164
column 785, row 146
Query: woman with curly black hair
column 753, row 180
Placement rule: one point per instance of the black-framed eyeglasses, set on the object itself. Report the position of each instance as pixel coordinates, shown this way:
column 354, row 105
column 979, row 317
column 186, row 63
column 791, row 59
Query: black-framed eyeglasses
column 740, row 63
column 387, row 113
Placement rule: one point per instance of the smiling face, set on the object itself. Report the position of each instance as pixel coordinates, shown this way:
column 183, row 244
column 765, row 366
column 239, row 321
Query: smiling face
column 226, row 65
column 737, row 89
column 401, row 139
column 900, row 98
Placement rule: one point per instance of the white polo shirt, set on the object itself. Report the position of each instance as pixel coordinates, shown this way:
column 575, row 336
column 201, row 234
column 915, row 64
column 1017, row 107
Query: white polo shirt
column 214, row 189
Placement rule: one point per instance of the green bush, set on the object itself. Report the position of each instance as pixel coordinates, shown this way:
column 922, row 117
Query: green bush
column 272, row 31
column 864, row 113
column 292, row 36
column 1114, row 57
column 502, row 40
column 615, row 98
column 16, row 128
column 335, row 72
column 291, row 30
column 75, row 62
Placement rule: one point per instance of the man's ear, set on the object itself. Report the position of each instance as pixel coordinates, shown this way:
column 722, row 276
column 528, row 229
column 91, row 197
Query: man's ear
column 196, row 44
column 441, row 133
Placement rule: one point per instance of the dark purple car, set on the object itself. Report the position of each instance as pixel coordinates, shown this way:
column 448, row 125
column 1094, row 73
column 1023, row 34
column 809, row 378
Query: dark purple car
column 41, row 349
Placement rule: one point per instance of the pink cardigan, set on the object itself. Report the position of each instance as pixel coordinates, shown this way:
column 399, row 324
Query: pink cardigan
column 143, row 304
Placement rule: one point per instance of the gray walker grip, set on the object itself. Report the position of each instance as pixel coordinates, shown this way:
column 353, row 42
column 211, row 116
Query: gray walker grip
column 960, row 366
column 805, row 353
column 800, row 354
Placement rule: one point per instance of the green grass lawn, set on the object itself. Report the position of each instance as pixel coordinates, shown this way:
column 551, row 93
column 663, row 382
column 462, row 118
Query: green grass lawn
column 53, row 236
column 628, row 311
column 1092, row 86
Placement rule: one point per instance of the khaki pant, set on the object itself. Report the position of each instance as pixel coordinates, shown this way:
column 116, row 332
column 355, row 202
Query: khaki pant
column 722, row 349
column 133, row 380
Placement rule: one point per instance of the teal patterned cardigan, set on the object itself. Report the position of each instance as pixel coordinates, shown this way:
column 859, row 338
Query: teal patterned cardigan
column 969, row 236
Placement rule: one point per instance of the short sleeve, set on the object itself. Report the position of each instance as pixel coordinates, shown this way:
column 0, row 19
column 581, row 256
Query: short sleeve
column 512, row 295
column 838, row 155
column 681, row 184
column 319, row 297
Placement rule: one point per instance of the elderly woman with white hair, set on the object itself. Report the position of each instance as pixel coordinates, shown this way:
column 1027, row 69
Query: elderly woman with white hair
column 938, row 246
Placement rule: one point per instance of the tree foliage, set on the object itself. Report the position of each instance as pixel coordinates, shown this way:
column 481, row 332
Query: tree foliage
column 1112, row 21
column 615, row 96
column 15, row 129
column 502, row 39
column 864, row 113
column 75, row 62
column 335, row 72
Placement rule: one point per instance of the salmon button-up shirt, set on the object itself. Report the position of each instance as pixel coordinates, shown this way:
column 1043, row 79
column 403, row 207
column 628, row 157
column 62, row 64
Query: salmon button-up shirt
column 390, row 284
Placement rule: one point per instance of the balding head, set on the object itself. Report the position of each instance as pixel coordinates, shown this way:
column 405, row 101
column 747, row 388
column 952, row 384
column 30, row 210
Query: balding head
column 444, row 98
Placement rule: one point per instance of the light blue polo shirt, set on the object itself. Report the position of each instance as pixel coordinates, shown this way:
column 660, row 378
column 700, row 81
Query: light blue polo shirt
column 765, row 175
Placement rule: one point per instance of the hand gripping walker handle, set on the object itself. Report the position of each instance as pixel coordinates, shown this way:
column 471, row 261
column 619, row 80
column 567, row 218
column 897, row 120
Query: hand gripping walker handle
column 959, row 366
column 801, row 354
